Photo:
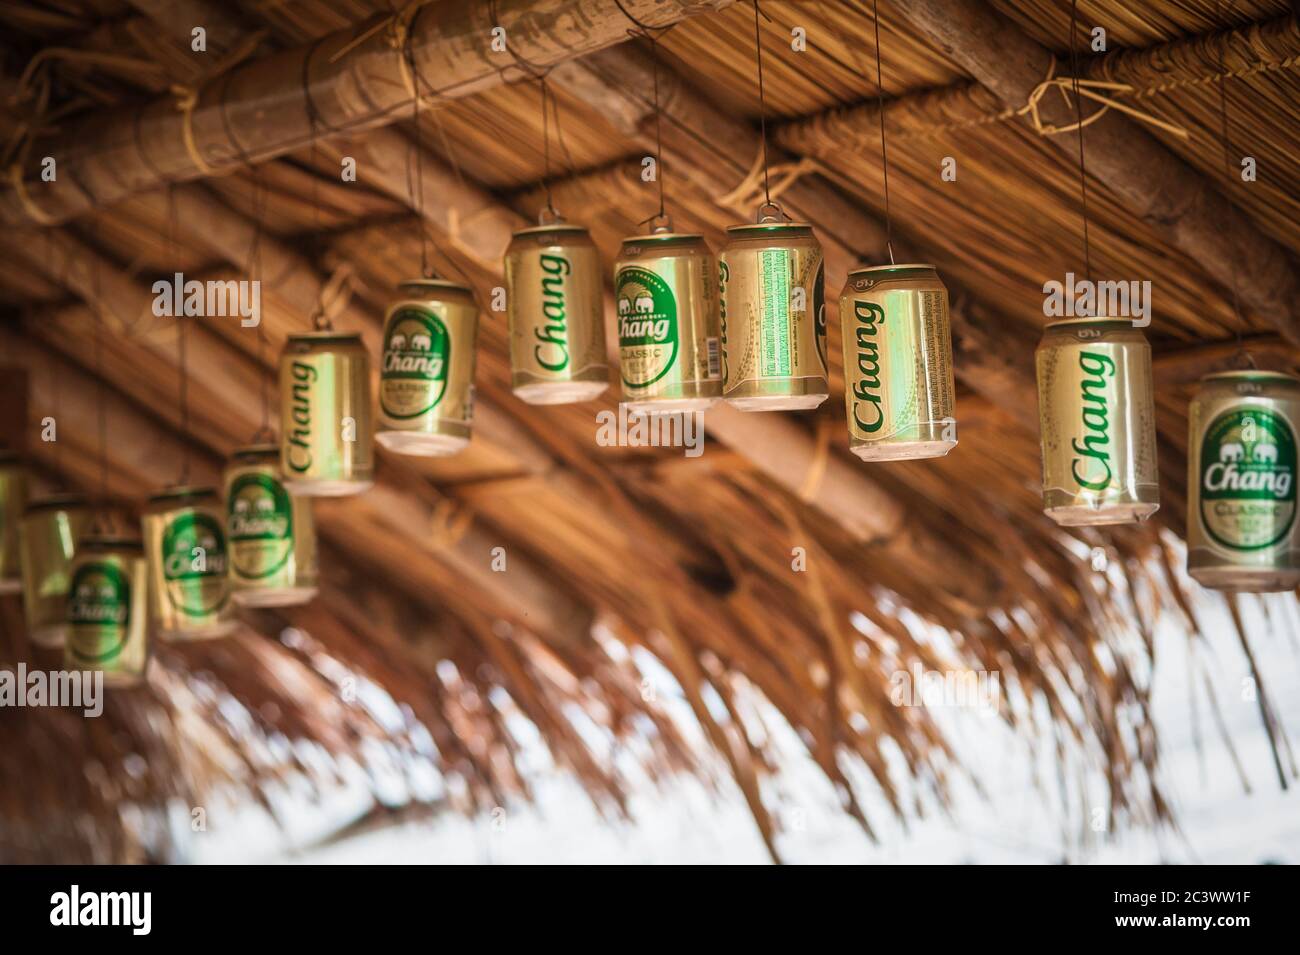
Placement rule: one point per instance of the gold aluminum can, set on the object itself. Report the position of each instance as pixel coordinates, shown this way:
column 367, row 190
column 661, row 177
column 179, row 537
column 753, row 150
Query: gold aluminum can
column 270, row 535
column 555, row 303
column 13, row 500
column 185, row 543
column 1241, row 482
column 773, row 321
column 326, row 428
column 108, row 624
column 49, row 533
column 1097, row 418
column 670, row 347
column 898, row 384
column 426, row 383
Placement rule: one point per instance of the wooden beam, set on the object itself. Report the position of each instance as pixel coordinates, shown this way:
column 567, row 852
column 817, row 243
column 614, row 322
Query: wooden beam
column 353, row 79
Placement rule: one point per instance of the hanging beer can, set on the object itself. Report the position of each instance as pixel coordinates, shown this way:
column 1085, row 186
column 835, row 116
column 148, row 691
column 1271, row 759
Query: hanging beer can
column 108, row 609
column 555, row 304
column 670, row 349
column 1097, row 418
column 773, row 320
column 898, row 383
column 13, row 500
column 270, row 536
column 1241, row 502
column 426, row 385
column 48, row 536
column 185, row 542
column 326, row 429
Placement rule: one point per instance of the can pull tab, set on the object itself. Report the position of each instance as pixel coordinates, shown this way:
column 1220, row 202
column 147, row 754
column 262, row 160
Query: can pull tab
column 549, row 216
column 771, row 211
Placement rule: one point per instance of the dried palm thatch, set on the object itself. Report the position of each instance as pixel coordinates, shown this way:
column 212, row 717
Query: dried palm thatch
column 617, row 556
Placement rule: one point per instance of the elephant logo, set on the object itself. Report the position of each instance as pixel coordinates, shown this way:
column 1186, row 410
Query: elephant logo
column 644, row 303
column 1231, row 452
column 100, row 598
column 1265, row 453
column 417, row 360
column 624, row 306
column 1248, row 470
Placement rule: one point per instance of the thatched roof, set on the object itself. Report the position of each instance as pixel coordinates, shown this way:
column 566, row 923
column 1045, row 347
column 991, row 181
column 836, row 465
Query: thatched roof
column 688, row 560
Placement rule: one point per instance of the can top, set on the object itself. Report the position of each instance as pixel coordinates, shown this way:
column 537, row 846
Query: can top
column 319, row 336
column 551, row 227
column 770, row 228
column 1251, row 374
column 1085, row 320
column 668, row 238
column 182, row 492
column 255, row 451
column 433, row 285
column 903, row 269
column 56, row 502
column 109, row 541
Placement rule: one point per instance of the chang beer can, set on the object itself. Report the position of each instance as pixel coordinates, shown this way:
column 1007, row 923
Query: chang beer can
column 185, row 542
column 555, row 304
column 426, row 384
column 898, row 382
column 1097, row 420
column 270, row 536
column 48, row 538
column 1241, row 527
column 670, row 348
column 108, row 625
column 772, row 317
column 326, row 429
column 13, row 501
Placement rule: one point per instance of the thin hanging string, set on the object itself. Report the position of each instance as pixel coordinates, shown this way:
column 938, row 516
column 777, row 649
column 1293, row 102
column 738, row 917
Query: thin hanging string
column 56, row 380
column 1078, row 105
column 659, row 143
column 101, row 517
column 254, row 269
column 546, row 146
column 182, row 334
column 884, row 152
column 1227, row 193
column 319, row 318
column 762, row 111
column 417, row 191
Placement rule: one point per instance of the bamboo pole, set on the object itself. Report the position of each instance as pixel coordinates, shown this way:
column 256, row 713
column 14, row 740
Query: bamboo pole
column 1180, row 204
column 350, row 80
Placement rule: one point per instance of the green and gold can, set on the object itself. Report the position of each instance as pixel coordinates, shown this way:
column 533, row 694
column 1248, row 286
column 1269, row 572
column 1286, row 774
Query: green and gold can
column 270, row 536
column 773, row 322
column 898, row 381
column 555, row 304
column 670, row 347
column 185, row 543
column 426, row 384
column 1241, row 482
column 326, row 427
column 108, row 624
column 13, row 501
column 1097, row 420
column 48, row 536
